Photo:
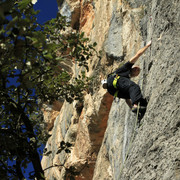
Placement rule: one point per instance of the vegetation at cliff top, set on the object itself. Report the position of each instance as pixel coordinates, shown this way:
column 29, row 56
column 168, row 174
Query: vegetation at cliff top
column 35, row 56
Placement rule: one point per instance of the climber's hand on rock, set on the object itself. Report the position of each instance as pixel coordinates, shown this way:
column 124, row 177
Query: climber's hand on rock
column 149, row 43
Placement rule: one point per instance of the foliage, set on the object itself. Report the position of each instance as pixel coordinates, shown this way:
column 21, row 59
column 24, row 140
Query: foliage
column 64, row 146
column 39, row 58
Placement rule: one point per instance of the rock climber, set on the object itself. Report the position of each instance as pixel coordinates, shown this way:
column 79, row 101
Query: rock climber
column 119, row 84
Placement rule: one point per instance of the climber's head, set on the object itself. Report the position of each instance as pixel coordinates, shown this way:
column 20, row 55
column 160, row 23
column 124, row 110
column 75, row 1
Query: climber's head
column 104, row 83
column 135, row 70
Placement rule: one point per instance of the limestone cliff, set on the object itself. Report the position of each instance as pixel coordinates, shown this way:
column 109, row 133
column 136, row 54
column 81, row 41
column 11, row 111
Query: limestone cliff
column 107, row 143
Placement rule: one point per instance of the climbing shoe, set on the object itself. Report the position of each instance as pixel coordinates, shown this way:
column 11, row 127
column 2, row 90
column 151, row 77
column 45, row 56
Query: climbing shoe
column 141, row 109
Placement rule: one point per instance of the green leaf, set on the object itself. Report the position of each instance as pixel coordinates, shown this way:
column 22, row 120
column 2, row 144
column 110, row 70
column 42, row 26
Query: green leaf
column 12, row 22
column 68, row 144
column 82, row 35
column 42, row 175
column 48, row 56
column 59, row 58
column 24, row 164
column 67, row 151
column 59, row 151
column 72, row 178
column 47, row 153
column 94, row 44
column 23, row 4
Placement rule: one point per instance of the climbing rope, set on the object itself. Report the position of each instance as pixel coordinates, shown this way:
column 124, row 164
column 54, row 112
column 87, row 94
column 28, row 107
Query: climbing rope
column 151, row 33
column 131, row 141
column 136, row 122
column 132, row 137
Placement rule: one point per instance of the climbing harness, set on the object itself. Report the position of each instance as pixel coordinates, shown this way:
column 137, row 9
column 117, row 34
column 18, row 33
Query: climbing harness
column 116, row 93
column 115, row 81
column 115, row 84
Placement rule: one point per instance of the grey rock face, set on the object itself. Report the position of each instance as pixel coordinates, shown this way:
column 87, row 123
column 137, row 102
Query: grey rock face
column 113, row 44
column 151, row 151
column 60, row 133
column 66, row 10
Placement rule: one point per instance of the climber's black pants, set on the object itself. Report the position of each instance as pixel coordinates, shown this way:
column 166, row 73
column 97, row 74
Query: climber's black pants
column 130, row 90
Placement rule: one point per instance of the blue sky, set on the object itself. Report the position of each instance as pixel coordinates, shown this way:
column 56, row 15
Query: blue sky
column 48, row 10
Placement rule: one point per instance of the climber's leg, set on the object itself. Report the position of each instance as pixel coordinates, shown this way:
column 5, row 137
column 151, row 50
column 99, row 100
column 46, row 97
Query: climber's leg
column 137, row 98
column 135, row 93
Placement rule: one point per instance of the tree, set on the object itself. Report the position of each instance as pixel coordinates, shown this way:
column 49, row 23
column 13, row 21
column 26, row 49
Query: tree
column 36, row 56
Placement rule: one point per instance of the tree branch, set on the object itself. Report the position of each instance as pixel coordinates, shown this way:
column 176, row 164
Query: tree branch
column 6, row 168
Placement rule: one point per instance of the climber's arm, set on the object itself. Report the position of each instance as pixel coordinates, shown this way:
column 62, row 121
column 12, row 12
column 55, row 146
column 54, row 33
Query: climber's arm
column 139, row 53
column 129, row 103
